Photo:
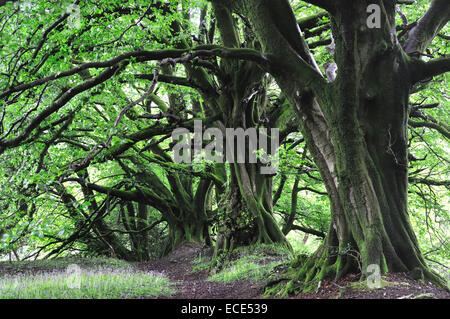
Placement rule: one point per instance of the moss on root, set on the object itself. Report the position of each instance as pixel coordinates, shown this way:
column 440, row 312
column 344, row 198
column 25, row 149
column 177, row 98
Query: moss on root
column 305, row 274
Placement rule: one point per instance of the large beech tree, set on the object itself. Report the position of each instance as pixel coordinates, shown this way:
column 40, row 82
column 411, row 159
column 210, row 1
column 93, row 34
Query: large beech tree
column 355, row 124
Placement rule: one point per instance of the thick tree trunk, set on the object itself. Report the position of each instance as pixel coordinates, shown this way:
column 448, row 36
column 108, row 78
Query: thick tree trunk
column 237, row 226
column 188, row 226
column 356, row 129
column 249, row 218
column 188, row 222
column 248, row 215
column 256, row 191
column 362, row 149
column 188, row 231
column 243, row 99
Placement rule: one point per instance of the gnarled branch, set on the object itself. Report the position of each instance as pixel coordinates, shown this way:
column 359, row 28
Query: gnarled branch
column 427, row 27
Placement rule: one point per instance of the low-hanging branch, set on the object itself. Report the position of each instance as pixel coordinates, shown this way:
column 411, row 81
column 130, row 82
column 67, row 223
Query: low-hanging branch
column 428, row 181
column 309, row 231
column 328, row 5
column 440, row 128
column 115, row 65
column 427, row 27
column 306, row 188
column 432, row 68
column 312, row 21
column 171, row 56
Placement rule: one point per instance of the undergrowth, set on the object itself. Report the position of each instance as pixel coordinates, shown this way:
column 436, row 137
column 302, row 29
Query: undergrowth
column 81, row 279
column 256, row 263
column 60, row 263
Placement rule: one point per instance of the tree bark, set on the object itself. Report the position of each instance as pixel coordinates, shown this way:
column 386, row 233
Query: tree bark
column 248, row 215
column 356, row 129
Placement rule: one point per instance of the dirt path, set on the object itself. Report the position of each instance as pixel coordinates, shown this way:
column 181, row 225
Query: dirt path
column 194, row 285
column 178, row 265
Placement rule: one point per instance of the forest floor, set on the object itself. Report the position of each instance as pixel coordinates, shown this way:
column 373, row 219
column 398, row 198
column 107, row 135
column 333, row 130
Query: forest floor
column 190, row 284
column 184, row 274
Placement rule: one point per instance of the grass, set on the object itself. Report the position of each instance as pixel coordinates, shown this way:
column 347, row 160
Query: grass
column 99, row 279
column 255, row 263
column 244, row 269
column 300, row 247
column 201, row 263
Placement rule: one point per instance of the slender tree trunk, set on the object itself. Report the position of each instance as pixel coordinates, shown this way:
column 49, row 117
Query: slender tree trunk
column 143, row 252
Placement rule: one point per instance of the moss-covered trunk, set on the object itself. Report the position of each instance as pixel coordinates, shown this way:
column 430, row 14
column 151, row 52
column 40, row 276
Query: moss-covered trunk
column 245, row 102
column 256, row 191
column 361, row 146
column 248, row 218
column 356, row 129
column 188, row 221
column 135, row 225
column 187, row 231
